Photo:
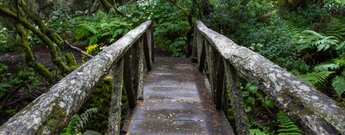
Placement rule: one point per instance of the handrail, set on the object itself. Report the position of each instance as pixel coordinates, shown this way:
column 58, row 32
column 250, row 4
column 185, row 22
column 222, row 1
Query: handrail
column 313, row 112
column 50, row 112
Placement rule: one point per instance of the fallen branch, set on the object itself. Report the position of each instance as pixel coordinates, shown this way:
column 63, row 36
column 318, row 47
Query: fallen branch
column 78, row 49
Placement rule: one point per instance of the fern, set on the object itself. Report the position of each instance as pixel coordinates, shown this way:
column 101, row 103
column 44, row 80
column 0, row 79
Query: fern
column 338, row 84
column 316, row 78
column 336, row 27
column 78, row 122
column 286, row 126
column 257, row 132
column 326, row 67
column 311, row 39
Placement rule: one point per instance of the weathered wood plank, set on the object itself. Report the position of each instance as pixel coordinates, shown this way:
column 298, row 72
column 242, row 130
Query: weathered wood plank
column 114, row 119
column 51, row 111
column 236, row 100
column 313, row 111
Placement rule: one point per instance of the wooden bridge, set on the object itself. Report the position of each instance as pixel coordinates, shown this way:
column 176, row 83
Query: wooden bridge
column 176, row 96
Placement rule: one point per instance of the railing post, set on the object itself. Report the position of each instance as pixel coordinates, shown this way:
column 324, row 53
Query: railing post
column 147, row 42
column 135, row 66
column 212, row 67
column 202, row 54
column 152, row 42
column 127, row 80
column 219, row 82
column 141, row 68
column 236, row 100
column 114, row 120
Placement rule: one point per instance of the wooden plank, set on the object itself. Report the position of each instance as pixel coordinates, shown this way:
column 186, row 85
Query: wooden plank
column 114, row 120
column 236, row 100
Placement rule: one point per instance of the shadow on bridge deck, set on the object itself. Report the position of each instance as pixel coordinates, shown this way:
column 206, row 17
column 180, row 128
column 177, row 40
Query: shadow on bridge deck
column 176, row 101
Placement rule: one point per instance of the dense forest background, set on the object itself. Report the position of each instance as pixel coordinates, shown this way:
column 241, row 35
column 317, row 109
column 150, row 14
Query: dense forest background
column 41, row 41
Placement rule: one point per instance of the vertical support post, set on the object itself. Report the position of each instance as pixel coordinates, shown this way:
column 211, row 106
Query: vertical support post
column 212, row 67
column 196, row 43
column 135, row 66
column 127, row 80
column 147, row 42
column 202, row 54
column 114, row 120
column 152, row 43
column 219, row 82
column 141, row 68
column 236, row 100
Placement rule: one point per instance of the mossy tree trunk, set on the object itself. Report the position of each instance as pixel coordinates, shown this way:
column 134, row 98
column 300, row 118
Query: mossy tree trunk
column 108, row 6
column 56, row 59
column 29, row 56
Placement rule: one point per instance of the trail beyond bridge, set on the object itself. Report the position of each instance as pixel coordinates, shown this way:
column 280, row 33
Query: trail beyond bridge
column 176, row 96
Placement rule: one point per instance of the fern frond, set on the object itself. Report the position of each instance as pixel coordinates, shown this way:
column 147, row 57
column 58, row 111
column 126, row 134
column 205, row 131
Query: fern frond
column 85, row 118
column 315, row 78
column 286, row 126
column 85, row 30
column 326, row 67
column 257, row 132
column 312, row 39
column 338, row 84
column 336, row 27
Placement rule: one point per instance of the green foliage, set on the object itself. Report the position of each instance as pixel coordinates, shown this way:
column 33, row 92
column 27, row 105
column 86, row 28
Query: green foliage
column 338, row 84
column 257, row 132
column 78, row 122
column 102, row 28
column 286, row 126
column 316, row 78
column 5, row 40
column 336, row 27
column 311, row 39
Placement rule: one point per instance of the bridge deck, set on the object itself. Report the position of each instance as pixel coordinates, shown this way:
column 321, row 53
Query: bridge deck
column 176, row 101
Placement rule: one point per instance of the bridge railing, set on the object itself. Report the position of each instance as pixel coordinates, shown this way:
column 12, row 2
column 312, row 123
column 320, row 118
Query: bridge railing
column 124, row 59
column 311, row 110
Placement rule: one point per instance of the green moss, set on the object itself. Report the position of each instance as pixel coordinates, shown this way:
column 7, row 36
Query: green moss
column 55, row 121
column 71, row 60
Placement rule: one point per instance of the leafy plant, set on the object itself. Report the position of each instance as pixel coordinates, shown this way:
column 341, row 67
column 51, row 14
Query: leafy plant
column 102, row 28
column 257, row 132
column 78, row 122
column 286, row 126
column 311, row 39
